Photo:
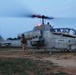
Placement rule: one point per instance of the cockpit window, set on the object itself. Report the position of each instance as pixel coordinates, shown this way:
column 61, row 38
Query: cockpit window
column 64, row 30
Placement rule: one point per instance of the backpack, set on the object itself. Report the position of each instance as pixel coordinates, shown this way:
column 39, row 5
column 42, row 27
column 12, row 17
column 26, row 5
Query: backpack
column 23, row 40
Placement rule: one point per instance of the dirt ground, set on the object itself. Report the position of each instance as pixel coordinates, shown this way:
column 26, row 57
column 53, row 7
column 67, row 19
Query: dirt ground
column 66, row 61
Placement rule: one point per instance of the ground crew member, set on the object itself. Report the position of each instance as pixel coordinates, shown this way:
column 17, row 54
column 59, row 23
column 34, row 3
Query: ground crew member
column 23, row 42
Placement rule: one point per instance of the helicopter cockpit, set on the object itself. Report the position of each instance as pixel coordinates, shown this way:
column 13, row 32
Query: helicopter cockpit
column 64, row 31
column 68, row 31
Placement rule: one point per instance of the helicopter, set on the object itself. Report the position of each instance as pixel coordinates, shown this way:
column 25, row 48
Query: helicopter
column 44, row 36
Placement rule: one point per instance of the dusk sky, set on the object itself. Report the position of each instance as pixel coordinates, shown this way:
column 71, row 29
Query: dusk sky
column 11, row 22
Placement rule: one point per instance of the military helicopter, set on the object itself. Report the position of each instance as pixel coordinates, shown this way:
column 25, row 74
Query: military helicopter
column 46, row 37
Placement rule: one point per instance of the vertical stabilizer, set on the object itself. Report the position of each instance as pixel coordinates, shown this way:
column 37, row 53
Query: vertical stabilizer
column 1, row 39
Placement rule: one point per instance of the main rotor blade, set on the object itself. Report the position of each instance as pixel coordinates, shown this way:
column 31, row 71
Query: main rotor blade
column 13, row 9
column 10, row 8
column 42, row 16
column 15, row 13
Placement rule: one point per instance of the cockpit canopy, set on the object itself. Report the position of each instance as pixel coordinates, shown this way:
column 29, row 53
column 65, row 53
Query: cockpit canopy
column 64, row 30
column 59, row 30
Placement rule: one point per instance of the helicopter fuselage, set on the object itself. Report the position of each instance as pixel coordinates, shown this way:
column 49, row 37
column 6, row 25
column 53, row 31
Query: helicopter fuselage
column 47, row 37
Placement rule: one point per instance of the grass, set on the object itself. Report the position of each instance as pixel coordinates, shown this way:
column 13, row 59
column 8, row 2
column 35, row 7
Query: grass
column 25, row 66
